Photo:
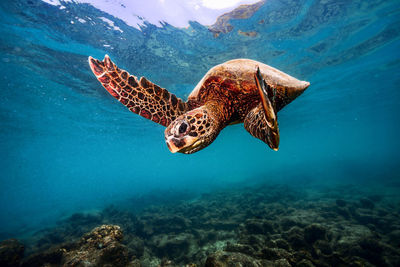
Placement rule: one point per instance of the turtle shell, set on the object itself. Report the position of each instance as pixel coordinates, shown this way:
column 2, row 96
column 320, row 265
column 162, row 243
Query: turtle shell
column 235, row 78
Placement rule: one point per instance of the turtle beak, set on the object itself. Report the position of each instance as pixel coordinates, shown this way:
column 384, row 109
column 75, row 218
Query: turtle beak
column 172, row 144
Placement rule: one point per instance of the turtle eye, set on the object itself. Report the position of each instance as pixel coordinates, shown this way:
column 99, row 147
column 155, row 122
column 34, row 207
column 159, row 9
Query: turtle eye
column 183, row 127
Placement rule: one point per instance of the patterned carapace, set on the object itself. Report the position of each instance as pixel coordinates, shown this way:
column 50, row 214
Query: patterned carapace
column 240, row 90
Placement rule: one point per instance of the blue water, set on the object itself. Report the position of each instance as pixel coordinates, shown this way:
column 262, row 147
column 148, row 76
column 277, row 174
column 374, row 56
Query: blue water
column 66, row 145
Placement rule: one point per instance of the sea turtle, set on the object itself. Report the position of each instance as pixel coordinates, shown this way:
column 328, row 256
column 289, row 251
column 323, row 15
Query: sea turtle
column 239, row 90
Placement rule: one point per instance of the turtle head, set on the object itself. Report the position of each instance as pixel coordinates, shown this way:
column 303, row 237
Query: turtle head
column 191, row 132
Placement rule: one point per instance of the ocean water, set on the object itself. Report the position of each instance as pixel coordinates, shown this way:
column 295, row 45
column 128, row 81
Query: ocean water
column 67, row 146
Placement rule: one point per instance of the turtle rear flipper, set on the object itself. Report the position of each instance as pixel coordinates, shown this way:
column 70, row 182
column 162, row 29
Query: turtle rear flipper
column 261, row 122
column 141, row 97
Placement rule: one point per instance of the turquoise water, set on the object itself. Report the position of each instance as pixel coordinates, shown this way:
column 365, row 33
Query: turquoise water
column 67, row 146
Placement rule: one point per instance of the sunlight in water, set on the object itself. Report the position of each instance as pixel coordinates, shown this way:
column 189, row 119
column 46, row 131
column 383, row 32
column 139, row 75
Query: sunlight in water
column 74, row 160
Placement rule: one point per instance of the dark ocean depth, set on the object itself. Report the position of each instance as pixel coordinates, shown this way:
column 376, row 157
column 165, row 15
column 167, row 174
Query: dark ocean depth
column 72, row 158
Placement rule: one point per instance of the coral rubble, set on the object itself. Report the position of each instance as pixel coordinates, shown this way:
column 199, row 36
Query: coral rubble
column 260, row 226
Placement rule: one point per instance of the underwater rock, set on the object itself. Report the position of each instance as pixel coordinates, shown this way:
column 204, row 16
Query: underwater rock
column 364, row 246
column 322, row 247
column 367, row 203
column 281, row 263
column 282, row 243
column 353, row 211
column 50, row 257
column 372, row 250
column 67, row 231
column 220, row 225
column 367, row 219
column 287, row 223
column 341, row 202
column 136, row 245
column 314, row 232
column 305, row 263
column 240, row 248
column 11, row 252
column 300, row 255
column 256, row 241
column 256, row 226
column 344, row 212
column 162, row 224
column 394, row 237
column 84, row 219
column 100, row 247
column 228, row 259
column 382, row 212
column 295, row 237
column 274, row 254
column 171, row 246
column 203, row 237
column 375, row 198
column 228, row 228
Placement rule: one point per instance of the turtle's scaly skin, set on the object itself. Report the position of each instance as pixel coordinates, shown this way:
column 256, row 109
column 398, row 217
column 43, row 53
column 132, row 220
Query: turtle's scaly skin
column 240, row 90
column 141, row 97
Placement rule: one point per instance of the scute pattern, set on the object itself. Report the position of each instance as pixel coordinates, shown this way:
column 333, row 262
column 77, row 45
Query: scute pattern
column 141, row 97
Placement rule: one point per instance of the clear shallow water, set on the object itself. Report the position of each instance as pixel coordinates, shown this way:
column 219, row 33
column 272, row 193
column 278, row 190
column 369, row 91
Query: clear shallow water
column 67, row 146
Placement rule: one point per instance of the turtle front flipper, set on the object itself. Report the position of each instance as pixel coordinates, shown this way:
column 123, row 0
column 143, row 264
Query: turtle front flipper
column 140, row 96
column 256, row 123
column 261, row 122
column 267, row 94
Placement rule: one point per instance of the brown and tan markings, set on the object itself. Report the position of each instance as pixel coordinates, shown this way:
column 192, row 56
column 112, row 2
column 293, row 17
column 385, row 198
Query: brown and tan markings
column 140, row 96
